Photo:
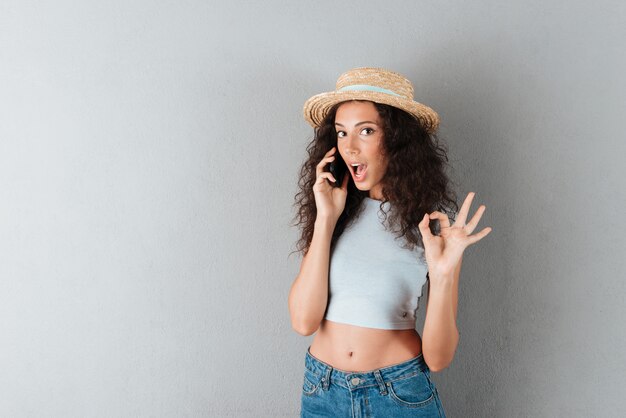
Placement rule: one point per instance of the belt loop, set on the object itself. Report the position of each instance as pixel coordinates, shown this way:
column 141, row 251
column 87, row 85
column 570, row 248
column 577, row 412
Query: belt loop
column 326, row 377
column 381, row 382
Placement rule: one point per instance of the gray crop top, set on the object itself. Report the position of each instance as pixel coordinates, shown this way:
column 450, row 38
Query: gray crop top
column 373, row 281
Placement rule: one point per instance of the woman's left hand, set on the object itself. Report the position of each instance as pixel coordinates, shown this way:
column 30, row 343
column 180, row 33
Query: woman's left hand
column 443, row 252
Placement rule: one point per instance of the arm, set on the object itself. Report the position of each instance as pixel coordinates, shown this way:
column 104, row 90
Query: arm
column 308, row 295
column 444, row 254
column 440, row 336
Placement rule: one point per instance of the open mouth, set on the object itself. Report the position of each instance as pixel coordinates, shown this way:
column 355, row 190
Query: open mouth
column 358, row 171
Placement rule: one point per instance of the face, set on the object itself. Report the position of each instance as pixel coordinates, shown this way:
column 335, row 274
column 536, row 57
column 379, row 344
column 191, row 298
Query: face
column 359, row 140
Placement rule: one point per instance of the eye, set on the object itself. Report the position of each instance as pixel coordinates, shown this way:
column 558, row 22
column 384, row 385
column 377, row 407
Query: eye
column 341, row 134
column 371, row 131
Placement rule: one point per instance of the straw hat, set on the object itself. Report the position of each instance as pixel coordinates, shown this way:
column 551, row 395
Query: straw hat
column 374, row 84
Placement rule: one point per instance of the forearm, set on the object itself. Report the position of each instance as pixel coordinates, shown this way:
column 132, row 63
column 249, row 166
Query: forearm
column 309, row 292
column 440, row 335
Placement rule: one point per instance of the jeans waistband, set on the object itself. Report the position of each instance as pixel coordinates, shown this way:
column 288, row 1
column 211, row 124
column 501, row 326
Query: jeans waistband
column 352, row 380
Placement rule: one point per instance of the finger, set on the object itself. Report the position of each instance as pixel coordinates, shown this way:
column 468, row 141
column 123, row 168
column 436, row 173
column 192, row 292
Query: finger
column 325, row 160
column 325, row 175
column 320, row 166
column 424, row 229
column 462, row 217
column 471, row 225
column 478, row 236
column 444, row 221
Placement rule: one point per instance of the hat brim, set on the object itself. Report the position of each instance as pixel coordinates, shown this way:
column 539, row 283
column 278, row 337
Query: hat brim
column 316, row 107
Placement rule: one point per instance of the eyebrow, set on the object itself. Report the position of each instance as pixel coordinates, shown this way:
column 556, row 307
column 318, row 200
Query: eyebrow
column 360, row 123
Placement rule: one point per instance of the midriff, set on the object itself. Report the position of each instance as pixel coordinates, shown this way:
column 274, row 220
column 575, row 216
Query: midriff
column 351, row 348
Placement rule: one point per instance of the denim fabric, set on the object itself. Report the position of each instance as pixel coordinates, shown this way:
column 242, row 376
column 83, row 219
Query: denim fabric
column 400, row 390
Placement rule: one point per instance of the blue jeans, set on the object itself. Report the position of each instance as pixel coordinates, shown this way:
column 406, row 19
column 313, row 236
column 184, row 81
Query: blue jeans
column 399, row 390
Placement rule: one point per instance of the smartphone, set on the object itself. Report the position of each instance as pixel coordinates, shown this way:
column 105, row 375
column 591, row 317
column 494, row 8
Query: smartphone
column 338, row 168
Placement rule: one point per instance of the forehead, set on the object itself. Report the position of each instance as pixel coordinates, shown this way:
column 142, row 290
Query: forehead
column 356, row 109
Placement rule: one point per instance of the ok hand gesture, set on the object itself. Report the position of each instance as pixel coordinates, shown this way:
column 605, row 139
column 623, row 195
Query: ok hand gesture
column 443, row 252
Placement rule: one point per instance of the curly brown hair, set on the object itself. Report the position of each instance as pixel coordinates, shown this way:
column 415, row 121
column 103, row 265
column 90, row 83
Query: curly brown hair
column 415, row 181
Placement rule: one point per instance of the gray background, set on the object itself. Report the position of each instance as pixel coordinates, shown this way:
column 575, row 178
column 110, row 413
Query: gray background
column 149, row 154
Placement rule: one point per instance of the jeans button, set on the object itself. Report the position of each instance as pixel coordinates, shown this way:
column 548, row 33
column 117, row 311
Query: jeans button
column 355, row 381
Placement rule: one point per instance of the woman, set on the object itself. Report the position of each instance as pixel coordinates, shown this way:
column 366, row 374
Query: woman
column 369, row 249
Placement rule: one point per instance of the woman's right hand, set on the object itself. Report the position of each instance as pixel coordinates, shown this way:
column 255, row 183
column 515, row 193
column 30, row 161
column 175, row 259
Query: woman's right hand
column 330, row 200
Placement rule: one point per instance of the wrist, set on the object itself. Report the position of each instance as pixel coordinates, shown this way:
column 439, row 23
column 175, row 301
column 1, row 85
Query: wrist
column 325, row 222
column 443, row 281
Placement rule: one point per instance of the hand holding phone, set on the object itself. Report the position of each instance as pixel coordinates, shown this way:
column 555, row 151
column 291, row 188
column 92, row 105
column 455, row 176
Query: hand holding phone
column 330, row 196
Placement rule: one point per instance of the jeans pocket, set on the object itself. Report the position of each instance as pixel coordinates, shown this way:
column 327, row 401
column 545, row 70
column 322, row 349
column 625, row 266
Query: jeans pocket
column 414, row 391
column 310, row 383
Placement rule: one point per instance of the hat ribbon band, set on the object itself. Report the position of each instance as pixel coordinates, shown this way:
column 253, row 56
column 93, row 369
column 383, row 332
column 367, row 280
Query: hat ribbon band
column 367, row 87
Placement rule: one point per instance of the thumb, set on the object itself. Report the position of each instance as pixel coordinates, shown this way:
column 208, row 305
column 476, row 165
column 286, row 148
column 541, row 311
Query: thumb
column 344, row 183
column 424, row 229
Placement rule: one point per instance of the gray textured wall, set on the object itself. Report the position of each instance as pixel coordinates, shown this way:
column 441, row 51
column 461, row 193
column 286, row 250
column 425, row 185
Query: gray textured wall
column 148, row 161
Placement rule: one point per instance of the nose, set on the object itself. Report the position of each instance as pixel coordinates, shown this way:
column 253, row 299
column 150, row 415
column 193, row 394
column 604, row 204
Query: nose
column 352, row 144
